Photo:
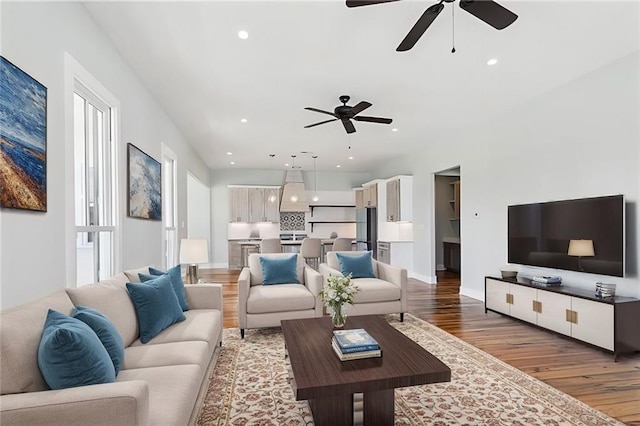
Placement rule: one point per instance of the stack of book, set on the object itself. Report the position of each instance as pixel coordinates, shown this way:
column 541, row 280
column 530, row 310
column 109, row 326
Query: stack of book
column 547, row 281
column 354, row 344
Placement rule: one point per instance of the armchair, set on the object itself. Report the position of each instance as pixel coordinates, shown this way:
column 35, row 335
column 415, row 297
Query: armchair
column 266, row 305
column 384, row 294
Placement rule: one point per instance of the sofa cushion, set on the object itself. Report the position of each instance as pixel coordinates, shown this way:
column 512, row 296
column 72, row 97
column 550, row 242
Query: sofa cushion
column 172, row 353
column 20, row 331
column 172, row 391
column 279, row 298
column 156, row 306
column 70, row 354
column 279, row 270
column 132, row 274
column 333, row 262
column 200, row 325
column 111, row 298
column 175, row 275
column 375, row 290
column 106, row 332
column 255, row 267
column 358, row 265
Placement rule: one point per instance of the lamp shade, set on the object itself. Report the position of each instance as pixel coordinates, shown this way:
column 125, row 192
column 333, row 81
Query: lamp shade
column 193, row 251
column 581, row 248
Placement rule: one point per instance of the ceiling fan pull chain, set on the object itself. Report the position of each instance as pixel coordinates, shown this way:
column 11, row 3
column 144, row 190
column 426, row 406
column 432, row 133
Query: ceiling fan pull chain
column 453, row 30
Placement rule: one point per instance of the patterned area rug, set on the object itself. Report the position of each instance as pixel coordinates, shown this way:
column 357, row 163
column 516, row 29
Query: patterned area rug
column 250, row 385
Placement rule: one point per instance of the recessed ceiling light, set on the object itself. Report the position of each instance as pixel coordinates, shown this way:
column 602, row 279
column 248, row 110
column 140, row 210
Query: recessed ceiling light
column 492, row 61
column 232, row 163
column 229, row 153
column 243, row 120
column 338, row 166
column 395, row 129
column 243, row 34
column 350, row 158
column 286, row 164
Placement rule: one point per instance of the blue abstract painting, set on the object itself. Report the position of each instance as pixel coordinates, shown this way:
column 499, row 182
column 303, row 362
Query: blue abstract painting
column 145, row 185
column 23, row 140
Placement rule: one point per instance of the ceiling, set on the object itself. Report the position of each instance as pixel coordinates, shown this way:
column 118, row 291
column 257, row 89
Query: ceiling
column 305, row 53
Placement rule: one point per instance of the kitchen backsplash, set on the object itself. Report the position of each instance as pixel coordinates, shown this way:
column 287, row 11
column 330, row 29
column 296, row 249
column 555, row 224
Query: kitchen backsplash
column 292, row 221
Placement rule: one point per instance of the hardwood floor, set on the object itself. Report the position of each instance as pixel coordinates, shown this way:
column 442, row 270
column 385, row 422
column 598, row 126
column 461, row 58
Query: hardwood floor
column 581, row 371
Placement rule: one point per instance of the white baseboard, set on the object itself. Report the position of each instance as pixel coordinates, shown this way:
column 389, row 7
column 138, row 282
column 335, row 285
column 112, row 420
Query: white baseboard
column 423, row 278
column 223, row 265
column 478, row 295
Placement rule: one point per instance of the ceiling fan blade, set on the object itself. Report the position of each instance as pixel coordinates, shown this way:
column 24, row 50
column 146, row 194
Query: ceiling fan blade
column 358, row 3
column 322, row 122
column 348, row 125
column 361, row 106
column 420, row 27
column 490, row 12
column 373, row 119
column 319, row 110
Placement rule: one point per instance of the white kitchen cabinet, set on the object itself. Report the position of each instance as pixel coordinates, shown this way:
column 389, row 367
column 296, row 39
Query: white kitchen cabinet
column 610, row 324
column 254, row 204
column 399, row 194
column 239, row 204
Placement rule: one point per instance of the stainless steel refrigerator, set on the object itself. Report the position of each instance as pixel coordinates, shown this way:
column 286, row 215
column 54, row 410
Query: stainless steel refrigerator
column 367, row 230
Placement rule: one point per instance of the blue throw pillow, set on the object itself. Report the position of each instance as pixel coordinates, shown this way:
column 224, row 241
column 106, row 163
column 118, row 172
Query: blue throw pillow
column 279, row 270
column 156, row 306
column 71, row 354
column 175, row 274
column 358, row 265
column 106, row 332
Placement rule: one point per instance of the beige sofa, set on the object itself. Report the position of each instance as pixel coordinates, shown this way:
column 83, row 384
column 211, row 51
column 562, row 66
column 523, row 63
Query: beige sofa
column 266, row 305
column 384, row 294
column 158, row 383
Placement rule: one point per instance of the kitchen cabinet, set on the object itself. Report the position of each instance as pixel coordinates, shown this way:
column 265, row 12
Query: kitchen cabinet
column 235, row 258
column 455, row 200
column 451, row 254
column 254, row 204
column 239, row 204
column 399, row 199
column 370, row 195
column 571, row 311
column 358, row 194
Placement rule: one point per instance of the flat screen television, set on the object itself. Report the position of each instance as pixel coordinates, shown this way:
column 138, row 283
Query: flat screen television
column 540, row 234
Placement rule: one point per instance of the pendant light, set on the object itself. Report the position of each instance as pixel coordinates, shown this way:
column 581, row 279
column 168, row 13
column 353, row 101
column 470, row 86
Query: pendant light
column 315, row 181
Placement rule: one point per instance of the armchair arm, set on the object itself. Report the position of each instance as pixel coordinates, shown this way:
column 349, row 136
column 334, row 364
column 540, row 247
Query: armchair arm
column 397, row 276
column 204, row 296
column 327, row 271
column 315, row 283
column 244, row 282
column 121, row 403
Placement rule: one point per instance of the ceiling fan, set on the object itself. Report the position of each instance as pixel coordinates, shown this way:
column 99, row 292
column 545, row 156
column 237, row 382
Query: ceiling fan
column 346, row 113
column 487, row 10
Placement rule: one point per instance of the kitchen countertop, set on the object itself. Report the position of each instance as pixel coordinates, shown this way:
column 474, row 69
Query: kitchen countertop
column 453, row 240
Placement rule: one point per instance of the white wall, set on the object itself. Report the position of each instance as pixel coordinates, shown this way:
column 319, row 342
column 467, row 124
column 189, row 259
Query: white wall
column 35, row 37
column 198, row 210
column 579, row 140
column 220, row 196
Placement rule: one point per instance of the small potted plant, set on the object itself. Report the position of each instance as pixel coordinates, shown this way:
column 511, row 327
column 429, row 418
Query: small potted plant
column 338, row 291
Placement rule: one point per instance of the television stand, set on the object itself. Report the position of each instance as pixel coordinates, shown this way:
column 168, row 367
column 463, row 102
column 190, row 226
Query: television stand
column 608, row 323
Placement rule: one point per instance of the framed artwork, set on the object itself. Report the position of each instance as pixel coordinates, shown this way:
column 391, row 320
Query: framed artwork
column 23, row 140
column 144, row 183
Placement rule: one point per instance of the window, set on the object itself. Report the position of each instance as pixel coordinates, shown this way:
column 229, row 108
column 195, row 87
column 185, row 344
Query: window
column 94, row 186
column 170, row 236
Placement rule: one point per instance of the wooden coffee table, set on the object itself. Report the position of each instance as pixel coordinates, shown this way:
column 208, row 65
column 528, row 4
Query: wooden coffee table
column 329, row 384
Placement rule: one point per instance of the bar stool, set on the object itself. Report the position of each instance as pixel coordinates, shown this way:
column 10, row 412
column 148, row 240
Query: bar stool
column 311, row 250
column 270, row 245
column 342, row 244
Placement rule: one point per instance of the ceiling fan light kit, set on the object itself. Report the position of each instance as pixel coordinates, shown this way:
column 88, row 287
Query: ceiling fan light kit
column 346, row 113
column 486, row 10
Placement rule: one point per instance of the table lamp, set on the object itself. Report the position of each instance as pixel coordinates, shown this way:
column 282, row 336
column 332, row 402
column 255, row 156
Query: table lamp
column 580, row 248
column 193, row 252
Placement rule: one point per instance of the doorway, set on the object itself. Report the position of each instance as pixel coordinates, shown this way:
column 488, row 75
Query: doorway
column 446, row 217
